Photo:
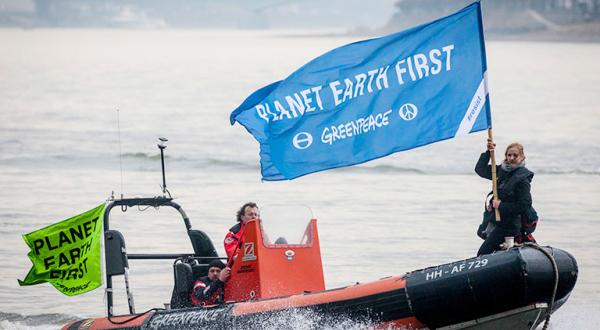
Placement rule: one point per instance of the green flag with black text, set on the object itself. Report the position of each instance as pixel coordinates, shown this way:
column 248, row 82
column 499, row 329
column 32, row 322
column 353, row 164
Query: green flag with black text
column 67, row 254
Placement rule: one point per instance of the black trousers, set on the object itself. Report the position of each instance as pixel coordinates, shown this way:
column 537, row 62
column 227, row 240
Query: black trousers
column 494, row 239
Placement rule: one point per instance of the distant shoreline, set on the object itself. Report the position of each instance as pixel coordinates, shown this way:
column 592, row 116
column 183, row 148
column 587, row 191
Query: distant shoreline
column 582, row 33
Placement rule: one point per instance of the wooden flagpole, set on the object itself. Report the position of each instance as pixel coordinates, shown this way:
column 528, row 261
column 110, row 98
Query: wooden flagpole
column 494, row 176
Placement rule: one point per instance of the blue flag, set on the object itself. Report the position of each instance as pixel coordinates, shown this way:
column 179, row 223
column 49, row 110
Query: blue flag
column 371, row 98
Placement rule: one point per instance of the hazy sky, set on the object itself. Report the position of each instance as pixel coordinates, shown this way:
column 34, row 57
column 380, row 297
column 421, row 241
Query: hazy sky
column 342, row 14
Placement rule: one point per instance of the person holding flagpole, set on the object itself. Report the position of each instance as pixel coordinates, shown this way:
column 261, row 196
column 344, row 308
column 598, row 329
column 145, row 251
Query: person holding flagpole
column 514, row 196
column 235, row 237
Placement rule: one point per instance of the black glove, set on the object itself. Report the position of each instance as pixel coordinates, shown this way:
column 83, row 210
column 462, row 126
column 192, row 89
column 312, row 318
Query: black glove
column 481, row 231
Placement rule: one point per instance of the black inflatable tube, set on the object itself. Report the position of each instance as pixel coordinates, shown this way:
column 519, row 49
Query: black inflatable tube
column 486, row 285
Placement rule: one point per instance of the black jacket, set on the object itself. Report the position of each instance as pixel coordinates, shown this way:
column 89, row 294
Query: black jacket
column 209, row 293
column 514, row 191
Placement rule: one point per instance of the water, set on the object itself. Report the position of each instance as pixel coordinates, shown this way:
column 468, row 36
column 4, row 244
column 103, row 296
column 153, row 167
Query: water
column 59, row 155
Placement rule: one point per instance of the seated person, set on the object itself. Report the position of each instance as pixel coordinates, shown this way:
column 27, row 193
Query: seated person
column 208, row 290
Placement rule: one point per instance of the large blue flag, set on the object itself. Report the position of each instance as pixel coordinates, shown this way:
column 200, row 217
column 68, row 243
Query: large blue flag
column 372, row 98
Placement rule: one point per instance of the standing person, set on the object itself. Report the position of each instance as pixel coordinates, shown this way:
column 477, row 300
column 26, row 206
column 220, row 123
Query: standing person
column 208, row 289
column 234, row 237
column 514, row 196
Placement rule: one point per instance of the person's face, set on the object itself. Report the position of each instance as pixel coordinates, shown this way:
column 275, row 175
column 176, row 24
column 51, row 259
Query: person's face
column 250, row 213
column 213, row 273
column 513, row 156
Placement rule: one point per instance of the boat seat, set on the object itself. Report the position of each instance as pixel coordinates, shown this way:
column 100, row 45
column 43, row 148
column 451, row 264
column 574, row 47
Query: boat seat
column 199, row 270
column 187, row 271
column 115, row 253
column 184, row 279
column 202, row 244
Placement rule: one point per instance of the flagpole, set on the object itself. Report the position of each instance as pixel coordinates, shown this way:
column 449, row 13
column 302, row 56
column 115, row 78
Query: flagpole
column 494, row 176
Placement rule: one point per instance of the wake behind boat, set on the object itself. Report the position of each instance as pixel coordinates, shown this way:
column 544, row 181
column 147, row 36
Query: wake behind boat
column 518, row 287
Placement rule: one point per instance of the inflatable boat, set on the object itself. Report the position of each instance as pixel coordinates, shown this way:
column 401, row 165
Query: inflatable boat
column 516, row 288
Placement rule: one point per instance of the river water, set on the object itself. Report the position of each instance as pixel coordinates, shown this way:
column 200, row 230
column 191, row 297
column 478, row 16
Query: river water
column 59, row 156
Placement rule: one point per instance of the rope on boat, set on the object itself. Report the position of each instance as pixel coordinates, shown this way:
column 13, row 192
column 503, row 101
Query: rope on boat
column 555, row 268
column 133, row 317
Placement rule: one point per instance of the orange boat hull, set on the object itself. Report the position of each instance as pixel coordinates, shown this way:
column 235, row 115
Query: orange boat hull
column 371, row 302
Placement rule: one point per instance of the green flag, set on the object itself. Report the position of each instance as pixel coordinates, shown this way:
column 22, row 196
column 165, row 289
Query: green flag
column 67, row 254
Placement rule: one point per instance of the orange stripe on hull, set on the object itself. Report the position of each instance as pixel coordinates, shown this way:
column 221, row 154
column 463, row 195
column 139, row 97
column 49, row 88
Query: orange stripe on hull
column 104, row 323
column 303, row 300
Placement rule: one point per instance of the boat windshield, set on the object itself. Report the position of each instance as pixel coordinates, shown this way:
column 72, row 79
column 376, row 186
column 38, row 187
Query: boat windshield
column 286, row 224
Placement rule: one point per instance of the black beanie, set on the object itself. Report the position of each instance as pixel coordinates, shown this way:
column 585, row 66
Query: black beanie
column 216, row 263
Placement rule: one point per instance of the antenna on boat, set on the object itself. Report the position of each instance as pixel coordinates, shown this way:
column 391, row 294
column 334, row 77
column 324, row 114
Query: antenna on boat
column 162, row 145
column 120, row 151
